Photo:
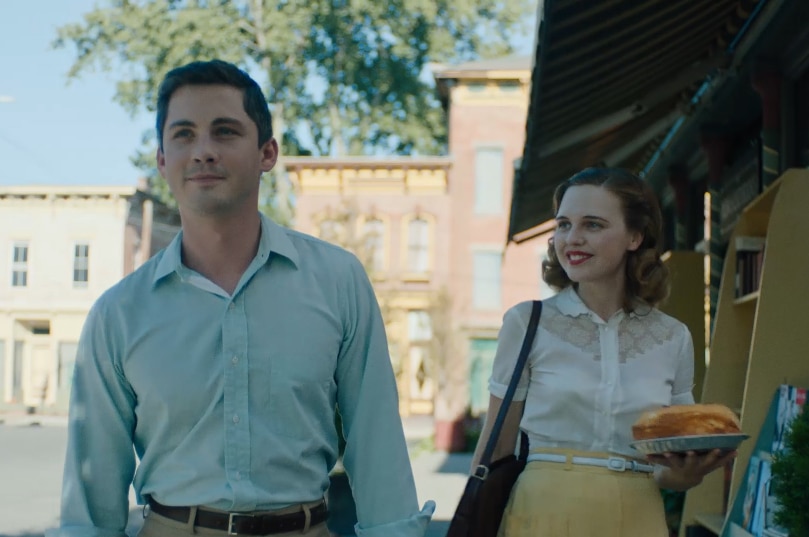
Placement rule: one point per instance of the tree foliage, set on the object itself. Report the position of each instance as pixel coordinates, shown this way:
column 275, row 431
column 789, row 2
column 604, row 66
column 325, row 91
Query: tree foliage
column 342, row 76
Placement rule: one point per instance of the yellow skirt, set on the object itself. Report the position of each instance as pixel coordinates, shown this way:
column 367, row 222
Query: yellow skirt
column 552, row 499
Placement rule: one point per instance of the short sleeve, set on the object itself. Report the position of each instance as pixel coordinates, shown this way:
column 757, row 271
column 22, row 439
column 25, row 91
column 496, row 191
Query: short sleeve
column 682, row 390
column 509, row 342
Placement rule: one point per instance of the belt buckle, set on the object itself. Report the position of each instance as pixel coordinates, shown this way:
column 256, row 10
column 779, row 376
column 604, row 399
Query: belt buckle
column 616, row 464
column 231, row 522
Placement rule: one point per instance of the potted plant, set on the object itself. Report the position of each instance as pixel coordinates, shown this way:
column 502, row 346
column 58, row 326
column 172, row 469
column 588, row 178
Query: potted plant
column 790, row 478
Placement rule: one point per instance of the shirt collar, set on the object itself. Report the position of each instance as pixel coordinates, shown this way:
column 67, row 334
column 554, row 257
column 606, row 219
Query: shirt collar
column 571, row 304
column 274, row 239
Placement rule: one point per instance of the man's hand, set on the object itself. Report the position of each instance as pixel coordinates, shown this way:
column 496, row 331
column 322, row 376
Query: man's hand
column 685, row 470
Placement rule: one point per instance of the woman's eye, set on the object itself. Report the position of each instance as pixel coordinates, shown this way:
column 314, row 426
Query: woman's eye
column 185, row 133
column 594, row 225
column 563, row 225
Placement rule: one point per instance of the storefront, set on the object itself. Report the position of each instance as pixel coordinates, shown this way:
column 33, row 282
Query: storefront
column 696, row 97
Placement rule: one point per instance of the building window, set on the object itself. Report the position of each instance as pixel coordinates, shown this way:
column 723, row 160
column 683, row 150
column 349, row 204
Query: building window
column 67, row 361
column 19, row 265
column 510, row 86
column 419, row 334
column 16, row 371
column 81, row 263
column 476, row 87
column 486, row 280
column 373, row 235
column 418, row 246
column 419, row 326
column 489, row 181
column 481, row 360
column 2, row 370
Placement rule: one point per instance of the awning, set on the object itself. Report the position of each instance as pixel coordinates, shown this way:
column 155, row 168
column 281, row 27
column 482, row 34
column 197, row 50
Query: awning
column 609, row 80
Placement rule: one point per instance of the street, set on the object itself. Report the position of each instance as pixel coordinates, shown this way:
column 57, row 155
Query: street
column 31, row 459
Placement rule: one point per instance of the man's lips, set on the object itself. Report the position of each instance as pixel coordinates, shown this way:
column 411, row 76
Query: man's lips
column 205, row 178
column 577, row 258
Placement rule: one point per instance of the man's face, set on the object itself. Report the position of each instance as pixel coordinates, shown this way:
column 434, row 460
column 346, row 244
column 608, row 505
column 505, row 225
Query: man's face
column 210, row 157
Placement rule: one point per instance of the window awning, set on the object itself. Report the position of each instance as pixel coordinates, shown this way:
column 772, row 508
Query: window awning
column 609, row 80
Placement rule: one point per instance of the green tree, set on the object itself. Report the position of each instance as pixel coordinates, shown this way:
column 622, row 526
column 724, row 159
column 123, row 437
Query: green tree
column 342, row 76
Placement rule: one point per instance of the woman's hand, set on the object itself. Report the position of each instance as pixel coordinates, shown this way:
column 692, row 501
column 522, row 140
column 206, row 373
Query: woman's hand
column 685, row 470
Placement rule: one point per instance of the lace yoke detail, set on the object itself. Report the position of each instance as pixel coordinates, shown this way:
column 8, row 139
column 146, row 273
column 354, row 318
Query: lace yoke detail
column 637, row 334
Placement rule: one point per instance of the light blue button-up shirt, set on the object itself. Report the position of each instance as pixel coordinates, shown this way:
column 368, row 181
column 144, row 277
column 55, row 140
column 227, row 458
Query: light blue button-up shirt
column 229, row 399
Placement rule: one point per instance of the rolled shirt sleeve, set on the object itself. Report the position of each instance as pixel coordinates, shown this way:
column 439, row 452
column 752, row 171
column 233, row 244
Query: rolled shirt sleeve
column 376, row 458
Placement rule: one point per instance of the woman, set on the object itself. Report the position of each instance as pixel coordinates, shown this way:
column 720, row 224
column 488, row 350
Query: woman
column 603, row 355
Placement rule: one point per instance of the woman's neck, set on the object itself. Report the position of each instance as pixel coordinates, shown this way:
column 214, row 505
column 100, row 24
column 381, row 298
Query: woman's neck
column 603, row 300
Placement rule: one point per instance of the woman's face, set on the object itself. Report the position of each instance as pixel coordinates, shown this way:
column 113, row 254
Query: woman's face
column 591, row 238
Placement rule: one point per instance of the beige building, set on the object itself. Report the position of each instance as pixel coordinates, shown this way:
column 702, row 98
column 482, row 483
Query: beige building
column 60, row 248
column 394, row 214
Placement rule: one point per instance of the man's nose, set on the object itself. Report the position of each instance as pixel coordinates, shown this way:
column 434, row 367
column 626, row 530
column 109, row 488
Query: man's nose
column 205, row 150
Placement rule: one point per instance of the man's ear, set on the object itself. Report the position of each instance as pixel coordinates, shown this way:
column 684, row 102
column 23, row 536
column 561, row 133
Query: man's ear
column 269, row 155
column 161, row 161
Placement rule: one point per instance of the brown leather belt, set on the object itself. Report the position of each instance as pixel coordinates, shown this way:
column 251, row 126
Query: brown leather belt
column 244, row 523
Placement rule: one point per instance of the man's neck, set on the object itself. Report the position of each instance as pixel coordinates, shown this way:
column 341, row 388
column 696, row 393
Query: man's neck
column 221, row 249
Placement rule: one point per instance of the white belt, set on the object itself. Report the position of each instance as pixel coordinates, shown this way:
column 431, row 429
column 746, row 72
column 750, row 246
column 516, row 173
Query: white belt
column 616, row 464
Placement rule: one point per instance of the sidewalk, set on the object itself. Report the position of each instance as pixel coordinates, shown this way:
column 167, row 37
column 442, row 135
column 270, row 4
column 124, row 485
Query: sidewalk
column 21, row 419
column 439, row 476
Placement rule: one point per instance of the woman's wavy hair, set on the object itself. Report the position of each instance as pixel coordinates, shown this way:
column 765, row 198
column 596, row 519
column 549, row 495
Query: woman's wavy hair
column 647, row 278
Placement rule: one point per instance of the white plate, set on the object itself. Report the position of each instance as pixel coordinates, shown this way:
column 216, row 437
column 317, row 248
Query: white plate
column 677, row 444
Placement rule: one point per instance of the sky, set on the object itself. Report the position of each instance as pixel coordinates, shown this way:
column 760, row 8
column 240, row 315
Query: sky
column 52, row 132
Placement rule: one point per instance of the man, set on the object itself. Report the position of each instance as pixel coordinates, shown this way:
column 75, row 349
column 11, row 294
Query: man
column 222, row 358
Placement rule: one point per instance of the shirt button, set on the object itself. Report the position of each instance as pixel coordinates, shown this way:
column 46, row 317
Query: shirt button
column 238, row 475
column 231, row 306
column 235, row 360
column 235, row 419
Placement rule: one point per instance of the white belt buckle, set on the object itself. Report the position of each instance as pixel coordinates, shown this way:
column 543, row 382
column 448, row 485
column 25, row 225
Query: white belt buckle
column 616, row 464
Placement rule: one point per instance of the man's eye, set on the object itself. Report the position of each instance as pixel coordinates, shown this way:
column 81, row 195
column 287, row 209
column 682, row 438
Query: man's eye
column 185, row 133
column 225, row 131
column 594, row 225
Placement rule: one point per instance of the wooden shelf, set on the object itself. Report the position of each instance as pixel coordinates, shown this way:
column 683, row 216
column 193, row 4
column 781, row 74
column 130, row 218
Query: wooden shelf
column 755, row 347
column 749, row 298
column 710, row 521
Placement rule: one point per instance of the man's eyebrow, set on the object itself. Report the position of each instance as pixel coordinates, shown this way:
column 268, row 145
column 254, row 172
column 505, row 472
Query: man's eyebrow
column 215, row 122
column 182, row 123
column 585, row 217
column 226, row 121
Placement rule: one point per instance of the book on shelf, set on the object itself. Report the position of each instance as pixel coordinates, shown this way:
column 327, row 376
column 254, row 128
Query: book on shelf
column 749, row 262
column 791, row 401
column 759, row 505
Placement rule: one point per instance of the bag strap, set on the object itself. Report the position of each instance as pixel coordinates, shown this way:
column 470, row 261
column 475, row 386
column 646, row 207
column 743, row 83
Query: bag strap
column 528, row 340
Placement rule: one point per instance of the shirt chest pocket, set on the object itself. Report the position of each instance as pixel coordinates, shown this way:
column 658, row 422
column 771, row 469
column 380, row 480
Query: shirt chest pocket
column 301, row 394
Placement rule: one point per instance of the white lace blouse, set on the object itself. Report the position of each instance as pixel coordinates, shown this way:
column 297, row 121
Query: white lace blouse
column 588, row 380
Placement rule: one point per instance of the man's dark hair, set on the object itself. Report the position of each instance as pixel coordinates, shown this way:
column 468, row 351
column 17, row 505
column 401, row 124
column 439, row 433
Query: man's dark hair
column 215, row 72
